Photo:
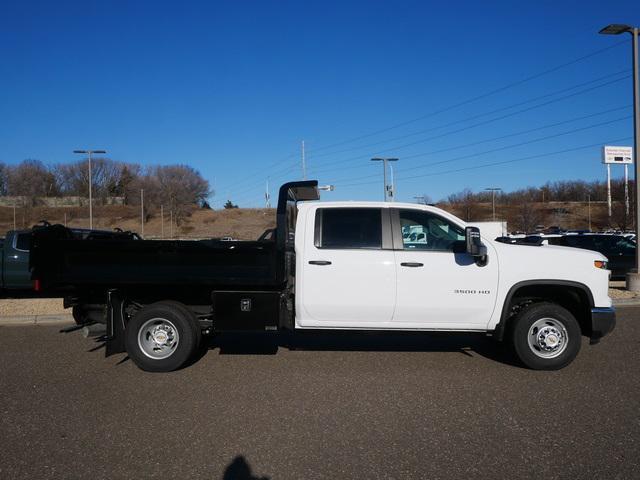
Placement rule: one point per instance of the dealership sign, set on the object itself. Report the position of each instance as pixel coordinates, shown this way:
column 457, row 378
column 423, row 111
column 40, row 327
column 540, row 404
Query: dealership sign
column 622, row 155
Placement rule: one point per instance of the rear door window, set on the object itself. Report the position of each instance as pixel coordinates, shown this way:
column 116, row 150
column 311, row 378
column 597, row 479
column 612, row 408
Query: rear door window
column 349, row 228
column 23, row 241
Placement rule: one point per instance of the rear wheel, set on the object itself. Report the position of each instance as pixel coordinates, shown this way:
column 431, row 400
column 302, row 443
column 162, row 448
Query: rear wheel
column 546, row 336
column 162, row 337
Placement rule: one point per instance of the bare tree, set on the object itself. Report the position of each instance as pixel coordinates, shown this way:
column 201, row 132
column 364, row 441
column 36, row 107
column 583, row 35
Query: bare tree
column 466, row 203
column 4, row 178
column 31, row 179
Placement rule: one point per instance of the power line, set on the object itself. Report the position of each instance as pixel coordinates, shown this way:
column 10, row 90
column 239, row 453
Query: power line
column 450, row 107
column 478, row 97
column 479, row 124
column 506, row 147
column 501, row 109
column 503, row 162
column 493, row 139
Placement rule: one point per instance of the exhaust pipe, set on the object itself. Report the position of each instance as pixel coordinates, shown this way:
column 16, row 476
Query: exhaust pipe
column 94, row 330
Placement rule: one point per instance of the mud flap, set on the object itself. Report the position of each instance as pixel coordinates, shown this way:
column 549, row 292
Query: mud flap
column 115, row 323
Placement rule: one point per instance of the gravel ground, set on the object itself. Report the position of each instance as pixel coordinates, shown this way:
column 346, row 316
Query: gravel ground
column 31, row 306
column 617, row 290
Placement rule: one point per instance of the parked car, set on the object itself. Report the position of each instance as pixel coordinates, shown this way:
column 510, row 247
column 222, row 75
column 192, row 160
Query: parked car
column 619, row 250
column 15, row 276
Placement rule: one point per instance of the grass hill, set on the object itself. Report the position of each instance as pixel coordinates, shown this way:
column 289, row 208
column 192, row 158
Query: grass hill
column 249, row 223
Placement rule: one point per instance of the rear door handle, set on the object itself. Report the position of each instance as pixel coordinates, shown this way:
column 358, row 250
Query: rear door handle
column 319, row 262
column 412, row 264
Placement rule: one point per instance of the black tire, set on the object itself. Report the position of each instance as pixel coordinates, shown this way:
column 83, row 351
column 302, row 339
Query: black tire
column 173, row 323
column 545, row 336
column 79, row 314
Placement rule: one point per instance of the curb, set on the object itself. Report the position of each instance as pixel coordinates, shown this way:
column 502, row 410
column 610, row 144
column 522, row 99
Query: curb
column 36, row 319
column 626, row 302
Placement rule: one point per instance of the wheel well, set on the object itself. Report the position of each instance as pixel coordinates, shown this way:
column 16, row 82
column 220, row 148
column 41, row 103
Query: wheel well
column 574, row 298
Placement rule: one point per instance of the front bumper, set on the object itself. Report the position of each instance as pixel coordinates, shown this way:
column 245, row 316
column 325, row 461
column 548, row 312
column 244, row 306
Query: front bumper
column 603, row 321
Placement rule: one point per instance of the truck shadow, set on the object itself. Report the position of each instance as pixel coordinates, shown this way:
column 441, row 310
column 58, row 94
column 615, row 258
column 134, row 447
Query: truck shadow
column 239, row 469
column 269, row 343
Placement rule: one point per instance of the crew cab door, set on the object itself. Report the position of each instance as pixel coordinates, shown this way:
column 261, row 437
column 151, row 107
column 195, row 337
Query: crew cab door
column 438, row 284
column 347, row 275
column 16, row 274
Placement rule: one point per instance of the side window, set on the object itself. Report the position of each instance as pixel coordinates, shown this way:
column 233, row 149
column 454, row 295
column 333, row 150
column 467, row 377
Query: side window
column 349, row 228
column 427, row 231
column 23, row 241
column 580, row 242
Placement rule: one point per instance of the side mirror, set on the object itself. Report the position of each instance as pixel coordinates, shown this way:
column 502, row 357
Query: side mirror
column 475, row 248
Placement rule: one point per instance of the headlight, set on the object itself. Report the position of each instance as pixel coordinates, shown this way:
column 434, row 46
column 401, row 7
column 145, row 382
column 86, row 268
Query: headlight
column 601, row 264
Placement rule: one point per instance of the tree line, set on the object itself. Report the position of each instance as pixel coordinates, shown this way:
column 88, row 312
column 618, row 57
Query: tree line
column 526, row 202
column 172, row 186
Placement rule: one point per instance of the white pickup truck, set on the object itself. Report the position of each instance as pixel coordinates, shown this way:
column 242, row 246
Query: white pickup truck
column 333, row 265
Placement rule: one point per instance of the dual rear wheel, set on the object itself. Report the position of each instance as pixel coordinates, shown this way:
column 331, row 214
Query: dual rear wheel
column 162, row 337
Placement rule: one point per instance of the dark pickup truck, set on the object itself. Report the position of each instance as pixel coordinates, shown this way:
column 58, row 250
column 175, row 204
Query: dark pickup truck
column 15, row 275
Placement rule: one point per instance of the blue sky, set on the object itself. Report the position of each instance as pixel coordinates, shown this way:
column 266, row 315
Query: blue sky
column 232, row 87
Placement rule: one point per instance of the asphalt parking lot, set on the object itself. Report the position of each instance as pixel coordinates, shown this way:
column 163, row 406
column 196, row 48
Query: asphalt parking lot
column 338, row 406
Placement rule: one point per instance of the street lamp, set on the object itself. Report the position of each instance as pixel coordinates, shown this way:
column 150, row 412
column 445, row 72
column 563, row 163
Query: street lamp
column 633, row 277
column 493, row 191
column 384, row 161
column 89, row 153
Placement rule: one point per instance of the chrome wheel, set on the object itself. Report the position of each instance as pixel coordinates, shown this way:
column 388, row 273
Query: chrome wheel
column 548, row 338
column 158, row 338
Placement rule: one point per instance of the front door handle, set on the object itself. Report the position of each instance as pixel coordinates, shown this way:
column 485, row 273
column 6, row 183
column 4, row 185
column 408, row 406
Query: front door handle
column 412, row 264
column 319, row 262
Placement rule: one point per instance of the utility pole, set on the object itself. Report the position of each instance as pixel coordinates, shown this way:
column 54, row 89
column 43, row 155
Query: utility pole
column 392, row 188
column 385, row 160
column 162, row 221
column 609, row 191
column 142, row 212
column 633, row 277
column 267, row 196
column 304, row 163
column 493, row 191
column 626, row 192
column 89, row 153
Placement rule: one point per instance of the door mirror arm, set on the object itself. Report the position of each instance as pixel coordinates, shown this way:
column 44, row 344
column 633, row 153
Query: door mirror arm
column 475, row 247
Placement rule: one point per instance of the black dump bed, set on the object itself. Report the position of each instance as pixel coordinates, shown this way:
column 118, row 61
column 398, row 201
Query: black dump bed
column 61, row 262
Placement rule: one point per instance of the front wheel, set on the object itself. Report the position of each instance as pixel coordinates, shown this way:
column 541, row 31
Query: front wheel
column 162, row 337
column 546, row 336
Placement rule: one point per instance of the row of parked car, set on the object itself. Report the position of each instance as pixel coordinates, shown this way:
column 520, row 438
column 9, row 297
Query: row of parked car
column 619, row 248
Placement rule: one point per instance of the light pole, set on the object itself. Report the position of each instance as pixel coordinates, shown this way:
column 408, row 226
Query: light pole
column 89, row 153
column 142, row 212
column 384, row 161
column 633, row 277
column 589, row 209
column 493, row 191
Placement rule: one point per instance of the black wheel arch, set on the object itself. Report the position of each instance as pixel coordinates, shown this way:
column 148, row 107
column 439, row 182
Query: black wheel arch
column 574, row 296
